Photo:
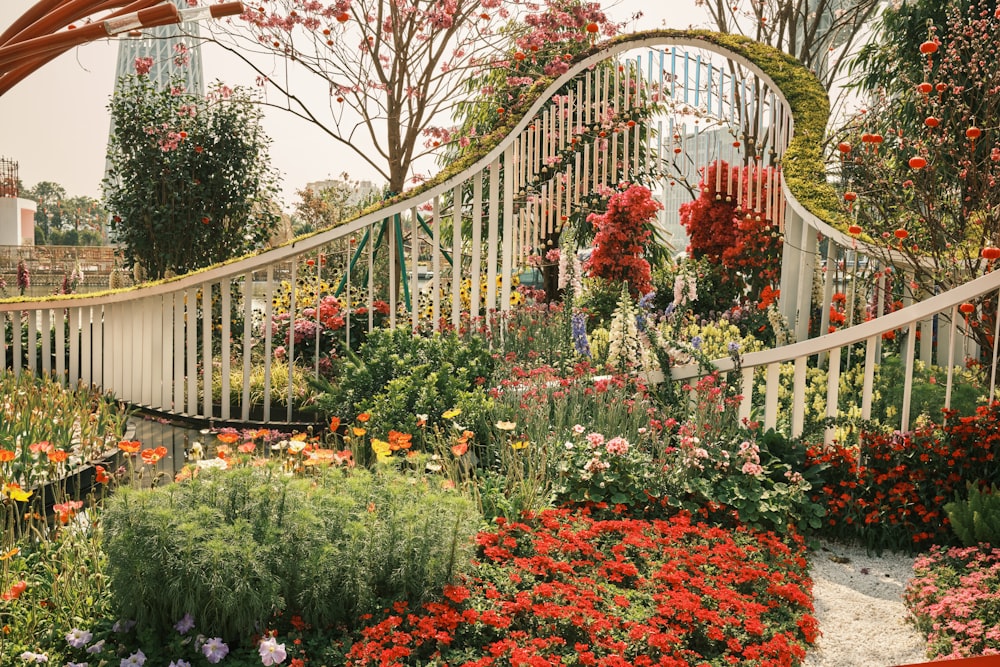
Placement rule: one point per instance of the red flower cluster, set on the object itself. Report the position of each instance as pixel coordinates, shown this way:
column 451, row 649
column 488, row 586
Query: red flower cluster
column 622, row 233
column 735, row 234
column 565, row 586
column 889, row 492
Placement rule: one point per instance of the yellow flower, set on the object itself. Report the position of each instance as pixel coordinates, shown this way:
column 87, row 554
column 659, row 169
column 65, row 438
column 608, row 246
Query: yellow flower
column 451, row 414
column 382, row 450
column 10, row 554
column 519, row 444
column 506, row 426
column 15, row 492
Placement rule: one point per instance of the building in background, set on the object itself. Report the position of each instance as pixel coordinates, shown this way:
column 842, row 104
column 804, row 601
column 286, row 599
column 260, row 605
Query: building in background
column 17, row 216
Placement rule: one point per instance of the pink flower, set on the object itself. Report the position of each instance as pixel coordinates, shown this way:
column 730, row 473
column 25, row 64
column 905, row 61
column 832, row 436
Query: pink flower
column 618, row 446
column 143, row 65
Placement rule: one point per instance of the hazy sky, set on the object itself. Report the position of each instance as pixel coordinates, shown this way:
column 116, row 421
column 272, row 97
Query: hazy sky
column 55, row 122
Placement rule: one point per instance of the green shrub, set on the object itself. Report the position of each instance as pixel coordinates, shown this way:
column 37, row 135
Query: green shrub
column 235, row 547
column 976, row 519
column 396, row 375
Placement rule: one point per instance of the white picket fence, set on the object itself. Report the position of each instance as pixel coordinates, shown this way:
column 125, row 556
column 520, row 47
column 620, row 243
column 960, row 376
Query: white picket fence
column 163, row 346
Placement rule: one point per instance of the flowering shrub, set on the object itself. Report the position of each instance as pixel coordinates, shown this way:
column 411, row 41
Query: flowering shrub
column 564, row 588
column 595, row 468
column 889, row 491
column 622, row 233
column 741, row 244
column 712, row 459
column 396, row 376
column 188, row 180
column 953, row 599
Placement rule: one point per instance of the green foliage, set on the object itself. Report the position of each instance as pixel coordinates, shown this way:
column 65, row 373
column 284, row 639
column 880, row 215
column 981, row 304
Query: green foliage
column 762, row 477
column 599, row 299
column 976, row 519
column 395, row 375
column 235, row 547
column 614, row 471
column 63, row 588
column 928, row 390
column 188, row 183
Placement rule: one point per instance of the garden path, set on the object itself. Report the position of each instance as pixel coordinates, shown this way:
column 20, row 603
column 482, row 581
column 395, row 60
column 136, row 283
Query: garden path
column 860, row 610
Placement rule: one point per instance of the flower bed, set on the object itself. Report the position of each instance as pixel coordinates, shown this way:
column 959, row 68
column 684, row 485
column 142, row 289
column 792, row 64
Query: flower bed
column 565, row 586
column 954, row 599
column 889, row 492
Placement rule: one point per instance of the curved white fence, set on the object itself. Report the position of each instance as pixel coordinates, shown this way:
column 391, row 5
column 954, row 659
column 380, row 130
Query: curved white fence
column 191, row 345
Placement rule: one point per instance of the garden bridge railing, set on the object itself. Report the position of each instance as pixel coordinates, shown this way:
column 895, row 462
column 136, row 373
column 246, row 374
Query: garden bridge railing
column 448, row 251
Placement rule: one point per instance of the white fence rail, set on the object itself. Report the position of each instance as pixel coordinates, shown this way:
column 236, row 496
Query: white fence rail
column 192, row 345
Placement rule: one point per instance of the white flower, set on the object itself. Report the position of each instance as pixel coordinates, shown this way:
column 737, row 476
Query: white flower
column 137, row 659
column 77, row 638
column 271, row 652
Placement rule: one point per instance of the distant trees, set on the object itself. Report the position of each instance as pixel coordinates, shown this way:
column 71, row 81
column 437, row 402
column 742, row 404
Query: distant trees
column 326, row 206
column 63, row 220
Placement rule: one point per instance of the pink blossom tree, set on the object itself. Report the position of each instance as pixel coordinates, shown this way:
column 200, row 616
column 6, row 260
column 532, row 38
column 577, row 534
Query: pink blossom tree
column 395, row 71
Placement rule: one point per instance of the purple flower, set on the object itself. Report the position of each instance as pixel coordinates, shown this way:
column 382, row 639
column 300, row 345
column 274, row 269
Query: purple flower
column 579, row 333
column 96, row 648
column 122, row 626
column 185, row 624
column 215, row 650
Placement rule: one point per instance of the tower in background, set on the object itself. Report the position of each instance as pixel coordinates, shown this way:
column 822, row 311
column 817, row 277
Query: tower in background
column 168, row 47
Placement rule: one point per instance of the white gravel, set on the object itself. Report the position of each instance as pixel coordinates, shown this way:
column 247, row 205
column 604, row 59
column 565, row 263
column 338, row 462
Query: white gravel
column 860, row 609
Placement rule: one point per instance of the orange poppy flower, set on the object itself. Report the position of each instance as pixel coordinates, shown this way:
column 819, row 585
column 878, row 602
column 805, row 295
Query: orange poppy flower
column 363, row 417
column 102, row 475
column 399, row 440
column 358, row 431
column 130, row 446
column 6, row 455
column 334, row 424
column 151, row 456
column 247, row 447
column 460, row 448
column 228, row 437
column 58, row 455
column 15, row 591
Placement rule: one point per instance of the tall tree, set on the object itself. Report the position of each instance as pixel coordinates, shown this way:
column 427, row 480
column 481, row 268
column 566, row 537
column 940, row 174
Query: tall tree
column 810, row 30
column 922, row 166
column 189, row 182
column 47, row 196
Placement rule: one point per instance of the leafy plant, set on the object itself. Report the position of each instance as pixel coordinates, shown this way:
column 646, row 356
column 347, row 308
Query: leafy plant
column 188, row 183
column 235, row 547
column 976, row 518
column 395, row 376
column 889, row 491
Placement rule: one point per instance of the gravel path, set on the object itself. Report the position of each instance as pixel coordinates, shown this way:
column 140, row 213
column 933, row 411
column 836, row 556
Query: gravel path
column 860, row 611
